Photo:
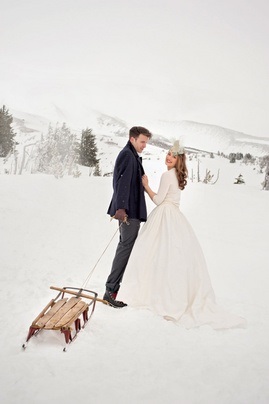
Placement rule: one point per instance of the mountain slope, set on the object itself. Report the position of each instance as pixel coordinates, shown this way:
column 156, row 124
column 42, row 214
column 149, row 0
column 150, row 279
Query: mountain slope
column 114, row 132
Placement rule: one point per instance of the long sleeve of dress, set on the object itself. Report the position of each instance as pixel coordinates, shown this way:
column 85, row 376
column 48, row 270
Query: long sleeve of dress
column 164, row 185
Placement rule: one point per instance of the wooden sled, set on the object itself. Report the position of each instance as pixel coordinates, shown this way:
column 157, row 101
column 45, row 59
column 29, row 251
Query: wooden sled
column 64, row 313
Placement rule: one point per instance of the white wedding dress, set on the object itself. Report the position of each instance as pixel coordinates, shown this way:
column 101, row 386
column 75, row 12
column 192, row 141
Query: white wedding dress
column 167, row 272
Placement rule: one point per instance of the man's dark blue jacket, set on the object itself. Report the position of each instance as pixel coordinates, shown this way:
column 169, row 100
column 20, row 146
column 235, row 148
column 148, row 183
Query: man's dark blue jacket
column 127, row 185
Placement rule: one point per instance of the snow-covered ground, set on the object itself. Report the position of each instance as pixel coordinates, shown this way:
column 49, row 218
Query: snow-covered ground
column 53, row 232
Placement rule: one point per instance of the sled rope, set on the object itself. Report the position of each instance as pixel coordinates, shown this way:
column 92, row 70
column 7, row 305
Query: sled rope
column 91, row 272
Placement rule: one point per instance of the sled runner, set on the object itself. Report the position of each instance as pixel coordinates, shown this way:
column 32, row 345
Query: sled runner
column 65, row 313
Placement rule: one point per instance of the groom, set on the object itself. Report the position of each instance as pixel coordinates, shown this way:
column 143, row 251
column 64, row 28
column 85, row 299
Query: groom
column 128, row 206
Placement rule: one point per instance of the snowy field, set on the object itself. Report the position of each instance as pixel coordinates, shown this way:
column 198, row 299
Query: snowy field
column 53, row 232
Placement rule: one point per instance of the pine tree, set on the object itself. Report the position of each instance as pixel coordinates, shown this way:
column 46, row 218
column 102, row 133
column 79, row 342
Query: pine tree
column 232, row 157
column 248, row 159
column 239, row 179
column 264, row 162
column 97, row 172
column 56, row 153
column 265, row 183
column 88, row 149
column 7, row 142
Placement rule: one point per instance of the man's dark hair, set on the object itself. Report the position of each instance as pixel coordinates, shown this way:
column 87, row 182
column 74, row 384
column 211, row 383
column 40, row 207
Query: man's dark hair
column 135, row 131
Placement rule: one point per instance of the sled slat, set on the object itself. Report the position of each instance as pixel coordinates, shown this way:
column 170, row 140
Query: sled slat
column 71, row 316
column 50, row 304
column 46, row 317
column 61, row 312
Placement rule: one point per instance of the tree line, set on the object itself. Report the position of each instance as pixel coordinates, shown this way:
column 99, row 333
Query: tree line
column 57, row 153
column 60, row 152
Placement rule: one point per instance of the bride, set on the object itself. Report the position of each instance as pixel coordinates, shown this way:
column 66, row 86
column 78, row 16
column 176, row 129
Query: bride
column 166, row 271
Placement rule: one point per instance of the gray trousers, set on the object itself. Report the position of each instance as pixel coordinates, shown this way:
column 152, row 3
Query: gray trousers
column 128, row 234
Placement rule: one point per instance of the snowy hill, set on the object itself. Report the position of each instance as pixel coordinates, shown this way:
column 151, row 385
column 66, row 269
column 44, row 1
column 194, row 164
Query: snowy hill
column 196, row 135
column 211, row 138
column 112, row 134
column 54, row 231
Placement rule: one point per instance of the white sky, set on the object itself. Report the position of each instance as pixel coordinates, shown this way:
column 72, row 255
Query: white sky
column 205, row 61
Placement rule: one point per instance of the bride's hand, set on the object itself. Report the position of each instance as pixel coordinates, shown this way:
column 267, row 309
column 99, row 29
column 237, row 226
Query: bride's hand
column 145, row 180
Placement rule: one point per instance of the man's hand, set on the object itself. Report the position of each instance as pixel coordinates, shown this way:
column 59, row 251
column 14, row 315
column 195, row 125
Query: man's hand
column 121, row 215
